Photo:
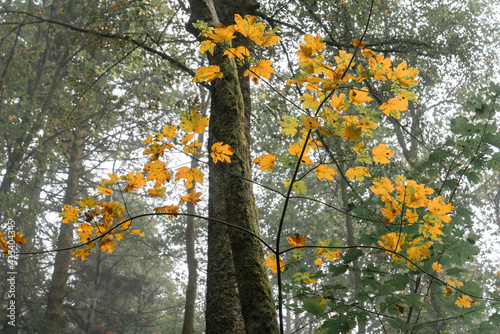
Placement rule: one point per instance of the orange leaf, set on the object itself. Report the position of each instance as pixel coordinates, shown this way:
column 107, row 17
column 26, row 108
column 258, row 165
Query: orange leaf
column 381, row 154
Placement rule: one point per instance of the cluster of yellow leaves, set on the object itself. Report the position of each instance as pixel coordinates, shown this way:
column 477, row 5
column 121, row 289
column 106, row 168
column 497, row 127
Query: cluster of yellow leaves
column 101, row 219
column 16, row 237
column 409, row 195
column 248, row 27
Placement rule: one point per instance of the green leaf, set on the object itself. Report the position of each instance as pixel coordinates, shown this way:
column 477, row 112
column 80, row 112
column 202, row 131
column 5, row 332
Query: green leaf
column 312, row 305
column 351, row 255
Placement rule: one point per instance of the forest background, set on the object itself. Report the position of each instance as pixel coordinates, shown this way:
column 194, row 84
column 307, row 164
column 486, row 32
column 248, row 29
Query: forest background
column 84, row 83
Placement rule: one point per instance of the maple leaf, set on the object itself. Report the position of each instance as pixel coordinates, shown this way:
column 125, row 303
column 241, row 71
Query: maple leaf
column 298, row 186
column 343, row 60
column 393, row 107
column 453, row 282
column 325, row 172
column 358, row 172
column 297, row 240
column 241, row 52
column 18, row 238
column 249, row 27
column 157, row 191
column 405, row 75
column 207, row 74
column 318, row 262
column 357, row 96
column 222, row 34
column 268, row 38
column 191, row 175
column 381, row 154
column 87, row 202
column 221, row 152
column 270, row 261
column 315, row 44
column 207, row 45
column 289, row 125
column 310, row 122
column 437, row 267
column 81, row 253
column 440, row 210
column 71, row 214
column 85, row 231
column 266, row 162
column 107, row 244
column 134, row 181
column 261, row 69
column 105, row 191
column 304, row 278
column 464, row 301
column 169, row 131
column 173, row 209
column 194, row 122
column 138, row 232
column 448, row 292
column 357, row 43
column 158, row 172
column 339, row 102
column 193, row 197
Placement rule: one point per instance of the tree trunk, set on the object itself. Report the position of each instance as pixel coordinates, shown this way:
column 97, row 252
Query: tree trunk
column 231, row 198
column 57, row 291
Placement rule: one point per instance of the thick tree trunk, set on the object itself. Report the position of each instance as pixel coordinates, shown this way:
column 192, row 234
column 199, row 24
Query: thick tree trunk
column 57, row 291
column 231, row 198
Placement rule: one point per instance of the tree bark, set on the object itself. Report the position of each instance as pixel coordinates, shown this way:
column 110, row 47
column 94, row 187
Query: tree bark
column 231, row 197
column 57, row 290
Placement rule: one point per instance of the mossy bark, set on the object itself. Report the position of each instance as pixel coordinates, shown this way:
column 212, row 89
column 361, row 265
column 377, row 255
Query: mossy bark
column 231, row 196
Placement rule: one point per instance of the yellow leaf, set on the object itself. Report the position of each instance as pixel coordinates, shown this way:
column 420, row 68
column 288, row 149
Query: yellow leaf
column 157, row 191
column 318, row 262
column 268, row 38
column 241, row 52
column 405, row 75
column 221, row 152
column 138, row 232
column 357, row 96
column 339, row 102
column 222, row 34
column 194, row 122
column 357, row 43
column 289, row 125
column 168, row 209
column 325, row 172
column 193, row 197
column 464, row 301
column 262, row 69
column 297, row 240
column 448, row 292
column 249, row 27
column 310, row 122
column 169, row 131
column 437, row 267
column 158, row 172
column 207, row 45
column 87, row 202
column 107, row 244
column 134, row 181
column 270, row 261
column 381, row 154
column 393, row 107
column 71, row 214
column 358, row 172
column 266, row 162
column 207, row 74
column 304, row 278
column 105, row 191
column 191, row 175
column 81, row 253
